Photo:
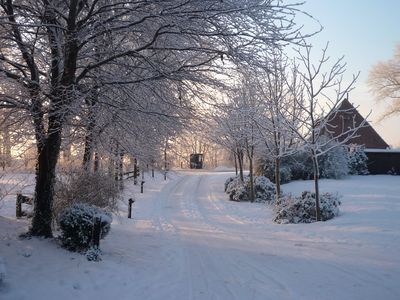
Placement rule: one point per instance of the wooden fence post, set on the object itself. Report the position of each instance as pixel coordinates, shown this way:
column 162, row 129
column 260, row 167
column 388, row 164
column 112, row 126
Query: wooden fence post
column 18, row 206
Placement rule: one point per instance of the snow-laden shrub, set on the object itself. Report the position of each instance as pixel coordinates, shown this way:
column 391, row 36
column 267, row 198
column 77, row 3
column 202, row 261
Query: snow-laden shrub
column 227, row 182
column 264, row 189
column 93, row 254
column 77, row 224
column 294, row 167
column 94, row 188
column 333, row 164
column 302, row 209
column 266, row 167
column 237, row 190
column 2, row 271
column 357, row 160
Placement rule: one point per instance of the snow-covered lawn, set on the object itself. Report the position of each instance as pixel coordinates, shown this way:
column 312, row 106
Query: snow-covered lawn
column 187, row 241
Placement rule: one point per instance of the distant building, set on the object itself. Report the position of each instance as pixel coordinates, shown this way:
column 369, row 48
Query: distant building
column 381, row 159
column 347, row 118
column 196, row 161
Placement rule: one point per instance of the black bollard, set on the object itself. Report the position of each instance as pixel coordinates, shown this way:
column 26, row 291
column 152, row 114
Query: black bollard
column 96, row 232
column 130, row 201
column 141, row 187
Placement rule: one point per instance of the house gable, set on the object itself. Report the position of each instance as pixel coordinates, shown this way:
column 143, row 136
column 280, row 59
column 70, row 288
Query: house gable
column 348, row 117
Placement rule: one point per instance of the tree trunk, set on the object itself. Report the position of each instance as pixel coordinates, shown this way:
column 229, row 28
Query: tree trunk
column 6, row 148
column 87, row 152
column 96, row 165
column 252, row 194
column 236, row 164
column 135, row 171
column 316, row 185
column 116, row 163
column 44, row 189
column 111, row 162
column 165, row 160
column 278, row 177
column 91, row 102
column 240, row 163
column 121, row 170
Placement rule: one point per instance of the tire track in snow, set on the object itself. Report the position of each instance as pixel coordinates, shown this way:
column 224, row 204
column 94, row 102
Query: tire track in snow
column 226, row 264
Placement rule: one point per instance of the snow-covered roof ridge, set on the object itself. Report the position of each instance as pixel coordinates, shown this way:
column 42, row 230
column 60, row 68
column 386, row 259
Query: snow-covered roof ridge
column 382, row 150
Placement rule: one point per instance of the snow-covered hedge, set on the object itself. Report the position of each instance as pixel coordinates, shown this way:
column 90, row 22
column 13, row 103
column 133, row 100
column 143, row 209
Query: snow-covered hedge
column 77, row 224
column 335, row 164
column 237, row 190
column 301, row 209
column 357, row 160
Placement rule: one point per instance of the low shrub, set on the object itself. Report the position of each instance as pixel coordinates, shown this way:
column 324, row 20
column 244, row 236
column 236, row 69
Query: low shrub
column 264, row 189
column 227, row 182
column 77, row 223
column 93, row 254
column 301, row 209
column 239, row 190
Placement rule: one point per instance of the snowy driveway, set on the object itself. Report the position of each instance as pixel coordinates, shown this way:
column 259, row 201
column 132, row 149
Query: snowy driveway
column 188, row 242
column 210, row 248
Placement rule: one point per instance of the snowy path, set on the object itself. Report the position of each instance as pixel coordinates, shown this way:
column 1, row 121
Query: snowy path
column 223, row 250
column 188, row 242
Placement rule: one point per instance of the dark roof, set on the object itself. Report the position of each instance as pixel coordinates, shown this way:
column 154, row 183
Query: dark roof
column 348, row 117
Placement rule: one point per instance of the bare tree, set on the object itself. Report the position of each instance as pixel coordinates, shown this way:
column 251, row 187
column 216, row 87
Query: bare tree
column 384, row 80
column 276, row 89
column 49, row 50
column 324, row 91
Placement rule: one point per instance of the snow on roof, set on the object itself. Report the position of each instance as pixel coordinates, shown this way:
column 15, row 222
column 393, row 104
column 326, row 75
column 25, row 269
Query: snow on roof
column 382, row 150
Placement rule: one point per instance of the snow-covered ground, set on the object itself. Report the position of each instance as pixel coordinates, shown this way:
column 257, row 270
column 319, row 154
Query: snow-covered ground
column 187, row 241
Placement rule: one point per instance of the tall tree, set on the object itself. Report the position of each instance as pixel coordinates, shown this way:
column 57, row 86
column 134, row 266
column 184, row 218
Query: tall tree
column 277, row 88
column 49, row 49
column 384, row 80
column 324, row 91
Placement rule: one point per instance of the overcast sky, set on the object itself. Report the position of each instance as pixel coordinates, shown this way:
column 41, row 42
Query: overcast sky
column 365, row 32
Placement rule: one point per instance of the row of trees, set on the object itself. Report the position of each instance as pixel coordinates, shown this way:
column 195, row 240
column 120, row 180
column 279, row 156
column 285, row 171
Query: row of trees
column 121, row 76
column 284, row 108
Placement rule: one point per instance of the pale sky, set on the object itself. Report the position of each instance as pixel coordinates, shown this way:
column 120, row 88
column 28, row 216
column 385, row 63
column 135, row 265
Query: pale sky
column 365, row 32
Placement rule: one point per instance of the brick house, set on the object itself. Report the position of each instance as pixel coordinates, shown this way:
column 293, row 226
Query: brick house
column 381, row 159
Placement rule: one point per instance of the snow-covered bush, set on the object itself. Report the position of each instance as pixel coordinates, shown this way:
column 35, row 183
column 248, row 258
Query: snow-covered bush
column 77, row 224
column 2, row 271
column 237, row 190
column 294, row 167
column 93, row 254
column 301, row 209
column 95, row 188
column 228, row 181
column 266, row 167
column 264, row 189
column 357, row 160
column 333, row 164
